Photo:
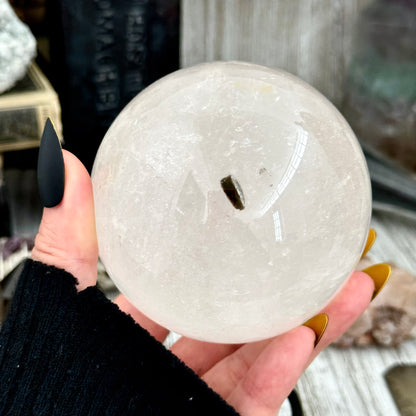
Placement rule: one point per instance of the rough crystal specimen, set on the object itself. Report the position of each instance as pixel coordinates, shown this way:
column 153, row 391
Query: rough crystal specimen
column 17, row 47
column 232, row 201
column 391, row 318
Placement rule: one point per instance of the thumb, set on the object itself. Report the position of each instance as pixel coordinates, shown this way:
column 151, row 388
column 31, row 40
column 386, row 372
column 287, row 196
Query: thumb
column 67, row 237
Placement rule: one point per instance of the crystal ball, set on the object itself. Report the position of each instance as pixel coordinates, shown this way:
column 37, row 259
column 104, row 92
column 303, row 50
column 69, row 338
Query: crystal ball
column 232, row 201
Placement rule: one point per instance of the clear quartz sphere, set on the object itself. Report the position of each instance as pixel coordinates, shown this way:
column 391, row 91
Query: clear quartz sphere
column 232, row 201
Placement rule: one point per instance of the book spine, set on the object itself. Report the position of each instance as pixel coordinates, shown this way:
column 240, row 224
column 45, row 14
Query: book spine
column 104, row 53
column 99, row 51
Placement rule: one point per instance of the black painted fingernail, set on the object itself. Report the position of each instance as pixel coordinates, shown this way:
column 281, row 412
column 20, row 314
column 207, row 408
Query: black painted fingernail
column 51, row 169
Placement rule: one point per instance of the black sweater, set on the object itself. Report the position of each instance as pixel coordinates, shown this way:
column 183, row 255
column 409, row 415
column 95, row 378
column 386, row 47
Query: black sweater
column 69, row 353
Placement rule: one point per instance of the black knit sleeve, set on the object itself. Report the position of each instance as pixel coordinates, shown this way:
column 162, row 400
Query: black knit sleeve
column 69, row 353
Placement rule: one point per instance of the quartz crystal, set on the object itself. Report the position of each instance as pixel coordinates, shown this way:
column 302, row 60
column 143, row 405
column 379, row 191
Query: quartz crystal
column 232, row 201
column 17, row 47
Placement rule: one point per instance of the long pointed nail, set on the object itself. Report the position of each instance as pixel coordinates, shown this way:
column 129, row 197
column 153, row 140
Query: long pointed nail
column 380, row 274
column 318, row 325
column 372, row 235
column 51, row 169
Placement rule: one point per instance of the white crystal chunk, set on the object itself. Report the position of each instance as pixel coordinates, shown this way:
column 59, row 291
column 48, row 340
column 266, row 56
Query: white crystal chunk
column 232, row 201
column 17, row 47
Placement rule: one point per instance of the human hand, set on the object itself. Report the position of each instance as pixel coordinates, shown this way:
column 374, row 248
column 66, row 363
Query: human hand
column 254, row 378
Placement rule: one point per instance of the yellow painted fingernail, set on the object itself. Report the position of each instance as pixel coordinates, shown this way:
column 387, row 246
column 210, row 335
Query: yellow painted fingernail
column 380, row 274
column 318, row 325
column 372, row 235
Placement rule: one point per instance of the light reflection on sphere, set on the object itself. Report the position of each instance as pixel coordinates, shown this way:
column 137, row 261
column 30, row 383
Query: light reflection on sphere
column 232, row 201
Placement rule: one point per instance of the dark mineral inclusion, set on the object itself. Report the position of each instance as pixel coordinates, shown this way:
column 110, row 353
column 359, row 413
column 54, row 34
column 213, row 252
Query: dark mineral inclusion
column 233, row 190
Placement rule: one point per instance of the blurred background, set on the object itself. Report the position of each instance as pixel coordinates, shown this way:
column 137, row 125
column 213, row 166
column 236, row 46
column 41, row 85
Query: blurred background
column 97, row 55
column 91, row 57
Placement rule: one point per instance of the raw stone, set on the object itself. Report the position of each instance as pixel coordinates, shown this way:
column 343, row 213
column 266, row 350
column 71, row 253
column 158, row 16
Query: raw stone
column 391, row 318
column 17, row 47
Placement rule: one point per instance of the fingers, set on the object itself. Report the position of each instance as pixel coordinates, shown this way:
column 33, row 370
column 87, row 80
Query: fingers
column 208, row 354
column 258, row 377
column 346, row 308
column 354, row 298
column 156, row 330
column 343, row 310
column 66, row 237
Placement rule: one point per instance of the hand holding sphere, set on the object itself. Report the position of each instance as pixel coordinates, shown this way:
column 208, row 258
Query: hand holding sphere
column 256, row 377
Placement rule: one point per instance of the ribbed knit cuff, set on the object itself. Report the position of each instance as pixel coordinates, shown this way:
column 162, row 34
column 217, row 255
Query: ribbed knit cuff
column 69, row 353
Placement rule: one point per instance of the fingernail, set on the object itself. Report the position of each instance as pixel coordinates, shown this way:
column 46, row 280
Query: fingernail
column 380, row 274
column 372, row 235
column 51, row 170
column 318, row 325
